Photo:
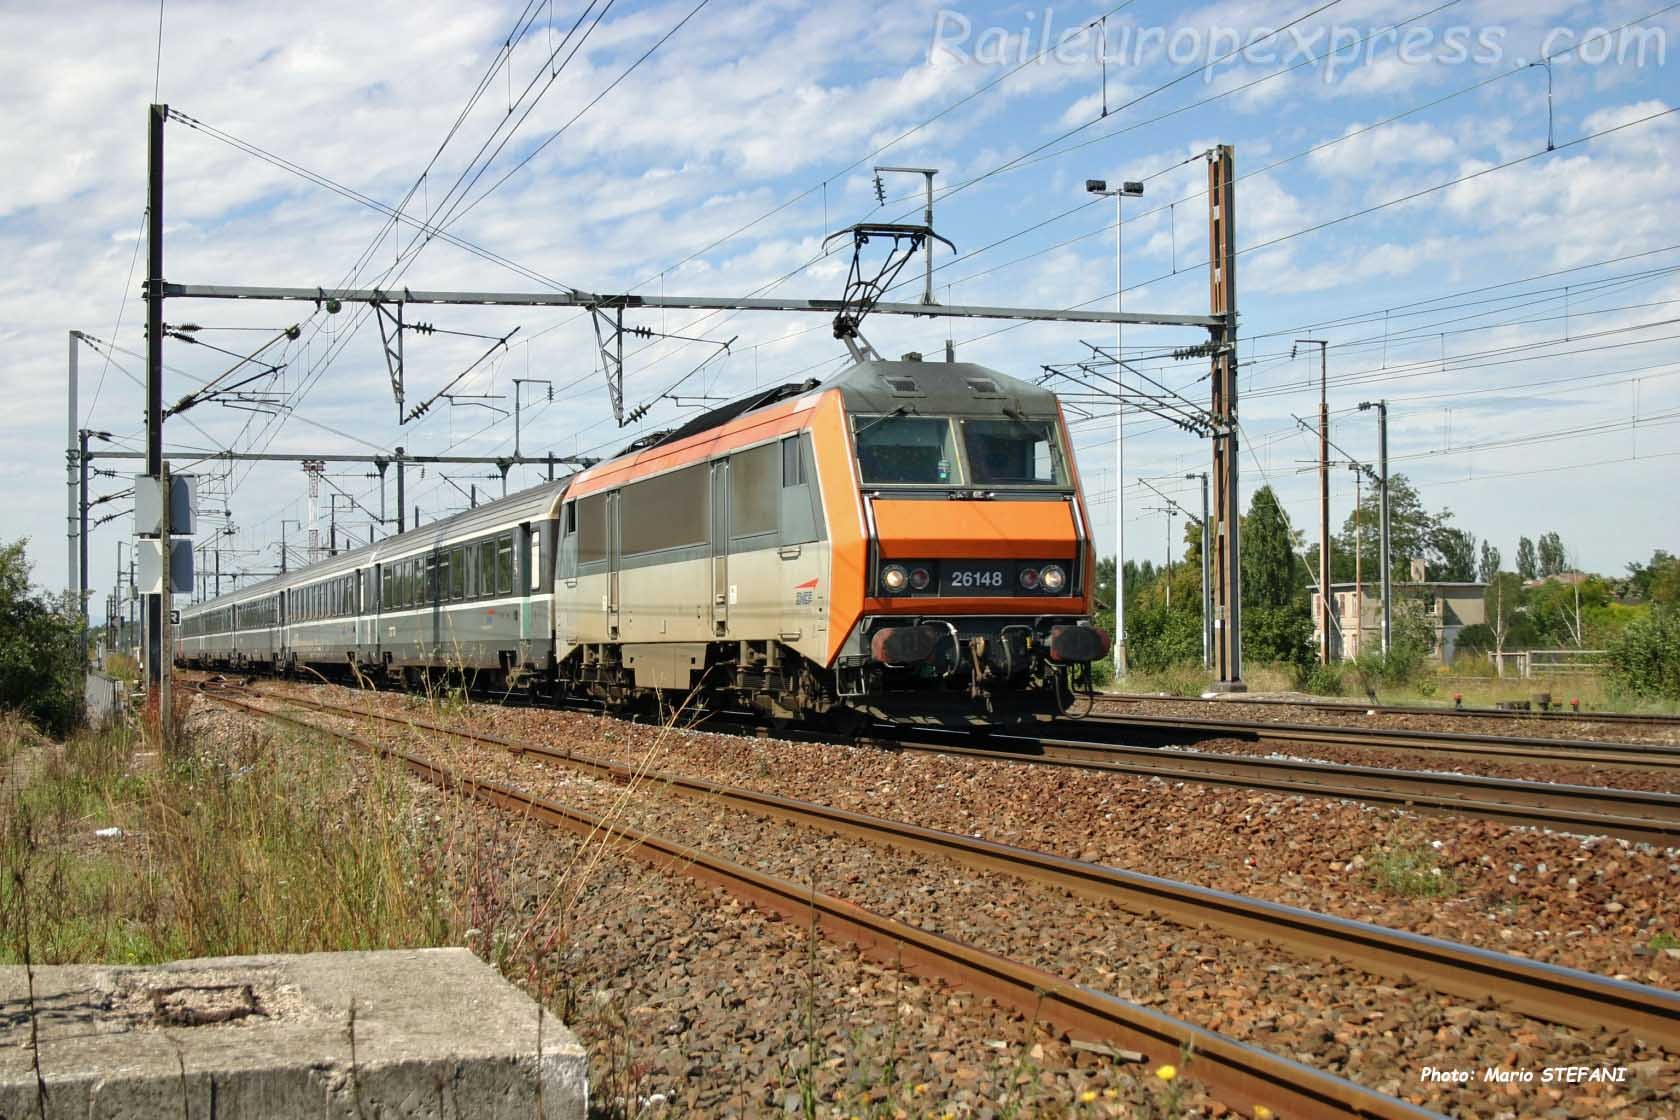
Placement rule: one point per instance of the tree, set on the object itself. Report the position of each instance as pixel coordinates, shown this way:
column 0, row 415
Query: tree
column 1455, row 550
column 1503, row 598
column 1488, row 566
column 1645, row 659
column 41, row 650
column 1527, row 568
column 1553, row 562
column 1658, row 581
column 1268, row 561
column 1282, row 635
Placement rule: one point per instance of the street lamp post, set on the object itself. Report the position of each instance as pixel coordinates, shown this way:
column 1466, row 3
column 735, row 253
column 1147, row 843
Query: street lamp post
column 1134, row 190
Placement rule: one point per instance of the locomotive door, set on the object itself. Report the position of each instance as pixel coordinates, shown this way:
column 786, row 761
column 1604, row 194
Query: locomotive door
column 720, row 547
column 615, row 555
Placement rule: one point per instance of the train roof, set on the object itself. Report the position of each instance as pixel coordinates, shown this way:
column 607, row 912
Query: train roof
column 532, row 504
column 938, row 388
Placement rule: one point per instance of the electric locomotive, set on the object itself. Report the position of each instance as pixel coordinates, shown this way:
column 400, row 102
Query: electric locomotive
column 905, row 541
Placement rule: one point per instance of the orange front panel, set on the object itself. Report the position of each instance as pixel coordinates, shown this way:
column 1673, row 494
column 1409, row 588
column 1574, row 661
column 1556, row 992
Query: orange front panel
column 843, row 507
column 974, row 530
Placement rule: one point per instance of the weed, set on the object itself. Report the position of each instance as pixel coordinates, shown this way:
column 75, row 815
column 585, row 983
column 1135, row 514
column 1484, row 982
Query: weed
column 1663, row 940
column 1409, row 869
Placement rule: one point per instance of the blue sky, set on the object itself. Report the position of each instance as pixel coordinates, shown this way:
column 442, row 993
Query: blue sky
column 1516, row 305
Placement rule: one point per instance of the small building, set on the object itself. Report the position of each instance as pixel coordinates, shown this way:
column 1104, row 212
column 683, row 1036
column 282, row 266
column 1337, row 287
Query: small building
column 1356, row 614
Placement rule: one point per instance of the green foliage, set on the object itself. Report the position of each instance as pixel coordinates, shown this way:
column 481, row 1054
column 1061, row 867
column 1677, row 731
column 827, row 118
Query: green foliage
column 1409, row 869
column 1158, row 637
column 1411, row 642
column 1553, row 560
column 1268, row 560
column 1488, row 566
column 1323, row 680
column 1502, row 600
column 1477, row 638
column 1282, row 634
column 1455, row 553
column 1645, row 659
column 1658, row 581
column 41, row 651
column 1527, row 566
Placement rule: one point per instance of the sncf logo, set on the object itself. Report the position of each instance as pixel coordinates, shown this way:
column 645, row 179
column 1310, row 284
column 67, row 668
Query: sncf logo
column 805, row 593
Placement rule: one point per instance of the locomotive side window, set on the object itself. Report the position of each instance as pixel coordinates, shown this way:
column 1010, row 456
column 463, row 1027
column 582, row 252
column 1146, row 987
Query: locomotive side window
column 906, row 449
column 592, row 529
column 671, row 511
column 754, row 496
column 1012, row 452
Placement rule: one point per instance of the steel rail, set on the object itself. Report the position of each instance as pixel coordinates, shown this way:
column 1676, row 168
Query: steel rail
column 1534, row 988
column 1653, row 719
column 1637, row 815
column 1526, row 748
column 1241, row 1075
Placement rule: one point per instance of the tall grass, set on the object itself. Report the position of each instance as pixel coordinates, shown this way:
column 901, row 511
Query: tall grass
column 254, row 843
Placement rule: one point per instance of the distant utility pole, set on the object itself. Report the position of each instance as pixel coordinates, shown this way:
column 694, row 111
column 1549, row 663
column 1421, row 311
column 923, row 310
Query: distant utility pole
column 1382, row 547
column 1323, row 495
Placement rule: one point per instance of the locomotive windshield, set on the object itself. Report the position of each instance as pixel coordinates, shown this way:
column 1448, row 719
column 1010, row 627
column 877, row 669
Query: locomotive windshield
column 906, row 449
column 1012, row 452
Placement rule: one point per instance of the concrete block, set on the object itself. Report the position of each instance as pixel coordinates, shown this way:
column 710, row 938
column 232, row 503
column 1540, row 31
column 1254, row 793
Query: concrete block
column 424, row 1034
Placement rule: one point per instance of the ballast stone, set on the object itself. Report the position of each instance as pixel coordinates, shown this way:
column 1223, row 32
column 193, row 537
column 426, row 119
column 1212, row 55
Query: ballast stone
column 423, row 1034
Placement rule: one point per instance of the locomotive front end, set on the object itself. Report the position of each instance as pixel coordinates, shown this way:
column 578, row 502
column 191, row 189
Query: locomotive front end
column 975, row 563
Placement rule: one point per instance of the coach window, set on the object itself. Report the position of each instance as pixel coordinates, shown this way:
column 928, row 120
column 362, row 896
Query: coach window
column 504, row 565
column 670, row 511
column 458, row 574
column 445, row 566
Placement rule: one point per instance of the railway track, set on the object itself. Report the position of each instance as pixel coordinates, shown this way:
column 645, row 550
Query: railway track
column 1643, row 719
column 1637, row 815
column 1536, row 989
column 1243, row 1076
column 1181, row 730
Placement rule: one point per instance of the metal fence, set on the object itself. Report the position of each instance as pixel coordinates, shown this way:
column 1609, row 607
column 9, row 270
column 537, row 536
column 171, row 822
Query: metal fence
column 1529, row 663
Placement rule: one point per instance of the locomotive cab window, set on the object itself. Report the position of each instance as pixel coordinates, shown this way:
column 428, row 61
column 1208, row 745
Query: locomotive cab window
column 1013, row 453
column 913, row 450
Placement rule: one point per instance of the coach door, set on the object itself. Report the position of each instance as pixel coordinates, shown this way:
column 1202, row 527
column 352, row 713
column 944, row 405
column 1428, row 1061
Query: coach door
column 720, row 547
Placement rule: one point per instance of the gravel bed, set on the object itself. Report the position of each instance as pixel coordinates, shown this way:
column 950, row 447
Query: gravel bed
column 1380, row 1034
column 1593, row 903
column 1583, row 774
column 691, row 1003
column 1356, row 715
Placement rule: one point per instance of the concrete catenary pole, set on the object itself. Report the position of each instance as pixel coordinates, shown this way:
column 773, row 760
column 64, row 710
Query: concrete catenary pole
column 72, row 516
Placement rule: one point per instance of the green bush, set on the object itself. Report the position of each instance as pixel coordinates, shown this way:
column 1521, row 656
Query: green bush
column 1322, row 680
column 1158, row 637
column 41, row 652
column 1281, row 635
column 1475, row 638
column 1645, row 659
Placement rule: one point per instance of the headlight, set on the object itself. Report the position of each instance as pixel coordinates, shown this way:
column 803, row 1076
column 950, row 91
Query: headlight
column 1029, row 578
column 1053, row 579
column 919, row 579
column 894, row 578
